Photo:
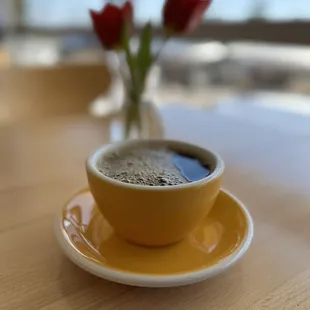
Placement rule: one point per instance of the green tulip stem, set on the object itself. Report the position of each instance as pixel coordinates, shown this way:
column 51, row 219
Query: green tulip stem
column 129, row 57
column 166, row 39
column 139, row 66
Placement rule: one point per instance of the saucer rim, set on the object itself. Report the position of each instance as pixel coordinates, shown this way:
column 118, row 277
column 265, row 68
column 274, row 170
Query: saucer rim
column 144, row 280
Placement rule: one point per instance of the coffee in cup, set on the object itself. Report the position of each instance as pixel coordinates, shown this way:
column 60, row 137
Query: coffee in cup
column 153, row 166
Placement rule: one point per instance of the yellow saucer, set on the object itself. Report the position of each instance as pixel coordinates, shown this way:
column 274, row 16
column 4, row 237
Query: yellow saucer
column 218, row 242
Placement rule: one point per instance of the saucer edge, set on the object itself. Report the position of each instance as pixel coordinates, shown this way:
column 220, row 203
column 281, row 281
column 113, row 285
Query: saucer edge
column 151, row 280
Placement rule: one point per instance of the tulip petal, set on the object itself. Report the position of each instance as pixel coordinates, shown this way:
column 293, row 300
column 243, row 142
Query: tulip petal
column 128, row 9
column 94, row 14
column 197, row 14
column 108, row 25
column 183, row 16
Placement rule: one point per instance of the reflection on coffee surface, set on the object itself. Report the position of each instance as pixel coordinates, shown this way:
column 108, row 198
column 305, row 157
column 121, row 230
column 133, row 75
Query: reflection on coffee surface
column 152, row 167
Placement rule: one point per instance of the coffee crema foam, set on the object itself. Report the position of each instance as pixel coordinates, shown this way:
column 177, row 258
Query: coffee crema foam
column 142, row 166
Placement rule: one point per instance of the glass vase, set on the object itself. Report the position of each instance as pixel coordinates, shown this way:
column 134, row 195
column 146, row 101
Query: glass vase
column 142, row 119
column 137, row 121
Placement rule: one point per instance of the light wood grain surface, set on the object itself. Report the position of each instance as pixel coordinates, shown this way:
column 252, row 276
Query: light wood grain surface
column 267, row 166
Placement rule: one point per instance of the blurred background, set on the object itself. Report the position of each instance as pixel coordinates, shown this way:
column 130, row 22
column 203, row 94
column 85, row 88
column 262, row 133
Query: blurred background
column 244, row 46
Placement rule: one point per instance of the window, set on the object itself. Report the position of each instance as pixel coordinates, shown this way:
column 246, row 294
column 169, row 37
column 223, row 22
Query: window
column 74, row 13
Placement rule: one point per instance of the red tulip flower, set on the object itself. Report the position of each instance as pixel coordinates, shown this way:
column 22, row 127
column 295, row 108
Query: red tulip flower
column 110, row 23
column 183, row 16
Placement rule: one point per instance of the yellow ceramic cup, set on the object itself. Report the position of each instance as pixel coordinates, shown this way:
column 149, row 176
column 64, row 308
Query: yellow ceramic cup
column 154, row 215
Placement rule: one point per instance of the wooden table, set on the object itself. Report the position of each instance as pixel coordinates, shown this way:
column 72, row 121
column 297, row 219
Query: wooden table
column 267, row 166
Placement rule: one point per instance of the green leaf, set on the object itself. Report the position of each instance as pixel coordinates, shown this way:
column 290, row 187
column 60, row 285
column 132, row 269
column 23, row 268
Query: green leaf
column 144, row 56
column 130, row 58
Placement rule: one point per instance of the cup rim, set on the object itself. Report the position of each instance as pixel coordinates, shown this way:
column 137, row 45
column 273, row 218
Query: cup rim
column 93, row 159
